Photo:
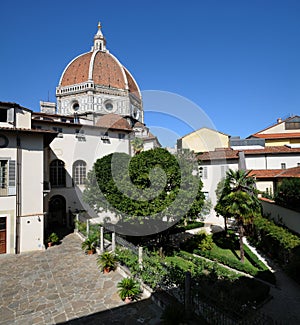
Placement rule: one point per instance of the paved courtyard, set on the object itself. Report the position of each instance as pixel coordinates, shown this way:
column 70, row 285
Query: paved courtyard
column 63, row 285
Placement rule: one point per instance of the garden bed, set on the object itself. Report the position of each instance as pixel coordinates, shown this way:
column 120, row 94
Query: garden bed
column 224, row 249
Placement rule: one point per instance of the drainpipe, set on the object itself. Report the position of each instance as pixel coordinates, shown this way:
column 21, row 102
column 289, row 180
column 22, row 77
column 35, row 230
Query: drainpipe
column 18, row 193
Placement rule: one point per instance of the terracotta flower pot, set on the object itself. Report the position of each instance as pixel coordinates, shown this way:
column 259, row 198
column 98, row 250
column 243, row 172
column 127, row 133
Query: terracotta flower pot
column 128, row 300
column 106, row 270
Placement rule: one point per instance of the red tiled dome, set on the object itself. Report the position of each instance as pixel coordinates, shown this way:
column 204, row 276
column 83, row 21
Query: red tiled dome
column 100, row 67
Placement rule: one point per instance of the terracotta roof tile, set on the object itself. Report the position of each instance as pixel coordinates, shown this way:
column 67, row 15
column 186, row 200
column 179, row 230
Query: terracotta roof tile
column 113, row 121
column 275, row 173
column 264, row 173
column 277, row 135
column 228, row 153
column 27, row 130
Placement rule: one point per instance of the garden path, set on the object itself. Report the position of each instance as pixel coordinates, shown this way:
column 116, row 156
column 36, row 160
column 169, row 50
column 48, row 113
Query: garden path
column 284, row 307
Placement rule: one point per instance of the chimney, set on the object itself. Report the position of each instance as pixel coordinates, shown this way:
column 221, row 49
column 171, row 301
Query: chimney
column 279, row 120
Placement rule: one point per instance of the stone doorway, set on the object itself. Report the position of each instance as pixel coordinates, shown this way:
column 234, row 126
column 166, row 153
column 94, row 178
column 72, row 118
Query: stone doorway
column 57, row 212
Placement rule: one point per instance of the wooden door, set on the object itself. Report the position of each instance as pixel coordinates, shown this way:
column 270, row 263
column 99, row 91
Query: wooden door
column 2, row 235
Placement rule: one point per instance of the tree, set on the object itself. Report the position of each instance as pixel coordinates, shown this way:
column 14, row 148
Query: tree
column 137, row 145
column 239, row 200
column 219, row 208
column 148, row 192
column 287, row 194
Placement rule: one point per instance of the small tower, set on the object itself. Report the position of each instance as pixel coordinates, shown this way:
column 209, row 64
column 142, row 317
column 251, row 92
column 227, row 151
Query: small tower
column 99, row 40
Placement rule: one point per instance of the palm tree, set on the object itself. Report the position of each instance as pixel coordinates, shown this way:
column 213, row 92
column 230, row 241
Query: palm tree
column 137, row 145
column 239, row 200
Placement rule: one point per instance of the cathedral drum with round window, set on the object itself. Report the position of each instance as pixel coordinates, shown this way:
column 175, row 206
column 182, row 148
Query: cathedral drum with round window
column 135, row 113
column 109, row 107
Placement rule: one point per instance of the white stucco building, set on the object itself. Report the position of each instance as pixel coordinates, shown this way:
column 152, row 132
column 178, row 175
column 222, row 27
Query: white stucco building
column 21, row 180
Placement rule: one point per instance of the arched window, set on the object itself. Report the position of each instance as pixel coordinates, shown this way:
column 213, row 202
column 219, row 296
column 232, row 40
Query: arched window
column 79, row 172
column 57, row 173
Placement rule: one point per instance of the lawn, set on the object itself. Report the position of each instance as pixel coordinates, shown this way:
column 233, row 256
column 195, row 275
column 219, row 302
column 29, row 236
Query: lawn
column 225, row 250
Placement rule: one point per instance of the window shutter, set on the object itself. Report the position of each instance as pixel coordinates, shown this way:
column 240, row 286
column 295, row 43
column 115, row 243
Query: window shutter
column 11, row 177
column 11, row 115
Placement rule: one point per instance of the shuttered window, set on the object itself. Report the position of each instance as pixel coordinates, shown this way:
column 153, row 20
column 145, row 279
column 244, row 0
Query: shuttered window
column 11, row 177
column 7, row 177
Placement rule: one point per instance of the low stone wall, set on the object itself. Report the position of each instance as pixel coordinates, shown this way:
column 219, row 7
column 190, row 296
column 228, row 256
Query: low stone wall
column 282, row 216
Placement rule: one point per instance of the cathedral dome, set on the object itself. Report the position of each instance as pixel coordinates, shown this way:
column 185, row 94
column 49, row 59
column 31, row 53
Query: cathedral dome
column 96, row 82
column 102, row 68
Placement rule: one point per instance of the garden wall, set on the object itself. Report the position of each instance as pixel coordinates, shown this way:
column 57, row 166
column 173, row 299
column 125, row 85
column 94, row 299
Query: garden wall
column 282, row 216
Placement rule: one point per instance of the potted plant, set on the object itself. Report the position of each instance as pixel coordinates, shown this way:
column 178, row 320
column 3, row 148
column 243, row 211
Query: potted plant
column 89, row 245
column 129, row 289
column 52, row 239
column 107, row 262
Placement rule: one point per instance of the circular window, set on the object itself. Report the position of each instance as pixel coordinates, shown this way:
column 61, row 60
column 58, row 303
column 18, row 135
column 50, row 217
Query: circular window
column 3, row 141
column 109, row 106
column 75, row 106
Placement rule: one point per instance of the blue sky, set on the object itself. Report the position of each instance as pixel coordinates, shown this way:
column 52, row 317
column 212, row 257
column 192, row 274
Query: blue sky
column 238, row 61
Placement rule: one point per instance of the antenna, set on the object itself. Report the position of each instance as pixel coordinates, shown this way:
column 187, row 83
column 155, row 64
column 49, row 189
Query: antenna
column 48, row 96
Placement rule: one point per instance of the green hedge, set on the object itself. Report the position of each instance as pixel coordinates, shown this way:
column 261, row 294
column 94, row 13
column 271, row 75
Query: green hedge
column 274, row 240
column 193, row 225
column 279, row 244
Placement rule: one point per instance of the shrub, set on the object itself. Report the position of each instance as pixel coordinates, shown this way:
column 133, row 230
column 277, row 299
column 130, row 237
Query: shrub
column 129, row 288
column 288, row 194
column 107, row 261
column 274, row 240
column 89, row 245
column 205, row 241
column 128, row 258
column 53, row 238
column 200, row 241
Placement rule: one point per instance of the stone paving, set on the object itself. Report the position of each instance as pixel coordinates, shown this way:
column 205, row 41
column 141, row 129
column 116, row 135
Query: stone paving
column 284, row 307
column 63, row 285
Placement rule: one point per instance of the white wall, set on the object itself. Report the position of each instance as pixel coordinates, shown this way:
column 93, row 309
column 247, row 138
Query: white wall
column 31, row 182
column 23, row 119
column 280, row 215
column 32, row 233
column 264, row 185
column 272, row 161
column 32, row 175
column 69, row 149
column 215, row 173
